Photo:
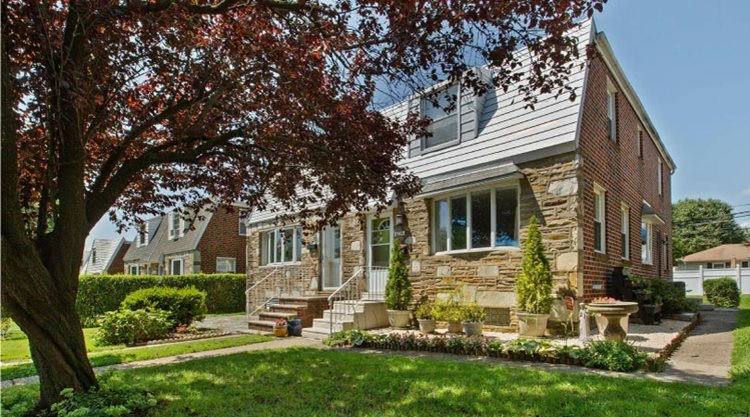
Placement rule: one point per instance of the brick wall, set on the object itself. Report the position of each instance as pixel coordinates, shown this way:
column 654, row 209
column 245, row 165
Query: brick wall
column 118, row 264
column 221, row 239
column 626, row 177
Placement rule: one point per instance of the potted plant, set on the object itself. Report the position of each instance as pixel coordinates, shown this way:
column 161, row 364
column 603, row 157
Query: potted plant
column 473, row 319
column 425, row 315
column 533, row 285
column 294, row 326
column 279, row 328
column 449, row 309
column 398, row 290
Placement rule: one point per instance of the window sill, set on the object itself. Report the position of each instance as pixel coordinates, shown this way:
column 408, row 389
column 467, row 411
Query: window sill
column 600, row 252
column 426, row 150
column 477, row 250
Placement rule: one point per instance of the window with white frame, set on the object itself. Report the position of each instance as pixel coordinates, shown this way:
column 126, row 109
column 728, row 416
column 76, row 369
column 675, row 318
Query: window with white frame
column 611, row 110
column 482, row 219
column 242, row 227
column 226, row 265
column 625, row 232
column 281, row 246
column 444, row 124
column 745, row 264
column 175, row 266
column 600, row 233
column 134, row 269
column 719, row 265
column 647, row 243
column 176, row 225
column 660, row 178
column 142, row 235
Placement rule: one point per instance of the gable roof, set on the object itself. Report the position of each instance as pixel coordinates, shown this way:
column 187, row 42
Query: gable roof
column 105, row 250
column 144, row 253
column 160, row 244
column 738, row 251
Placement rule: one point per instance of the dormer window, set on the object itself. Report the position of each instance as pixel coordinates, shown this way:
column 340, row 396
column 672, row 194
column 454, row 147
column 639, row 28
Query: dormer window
column 143, row 235
column 444, row 125
column 176, row 225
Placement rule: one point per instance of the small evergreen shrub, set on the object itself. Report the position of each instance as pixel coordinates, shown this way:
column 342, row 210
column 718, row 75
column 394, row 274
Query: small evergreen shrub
column 722, row 292
column 398, row 287
column 184, row 305
column 534, row 284
column 614, row 355
column 133, row 326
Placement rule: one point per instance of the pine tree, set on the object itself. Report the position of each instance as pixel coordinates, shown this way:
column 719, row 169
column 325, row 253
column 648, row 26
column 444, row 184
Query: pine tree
column 534, row 284
column 398, row 288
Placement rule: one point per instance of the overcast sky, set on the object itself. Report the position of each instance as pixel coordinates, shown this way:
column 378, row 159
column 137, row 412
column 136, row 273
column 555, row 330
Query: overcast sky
column 688, row 61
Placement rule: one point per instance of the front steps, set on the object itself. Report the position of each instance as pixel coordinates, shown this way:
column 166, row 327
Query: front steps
column 306, row 308
column 348, row 315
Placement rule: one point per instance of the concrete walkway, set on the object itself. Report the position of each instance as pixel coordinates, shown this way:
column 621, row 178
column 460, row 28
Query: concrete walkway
column 283, row 343
column 705, row 357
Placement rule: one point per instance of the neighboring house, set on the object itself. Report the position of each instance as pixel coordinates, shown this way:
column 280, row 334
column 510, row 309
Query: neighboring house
column 730, row 255
column 105, row 257
column 593, row 170
column 190, row 243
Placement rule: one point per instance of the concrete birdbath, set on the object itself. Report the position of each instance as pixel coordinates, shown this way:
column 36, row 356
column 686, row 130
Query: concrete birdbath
column 614, row 312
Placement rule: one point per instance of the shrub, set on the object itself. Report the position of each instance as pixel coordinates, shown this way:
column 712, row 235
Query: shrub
column 534, row 284
column 425, row 311
column 398, row 287
column 354, row 338
column 102, row 402
column 472, row 313
column 614, row 355
column 722, row 292
column 448, row 309
column 672, row 296
column 184, row 305
column 97, row 294
column 133, row 326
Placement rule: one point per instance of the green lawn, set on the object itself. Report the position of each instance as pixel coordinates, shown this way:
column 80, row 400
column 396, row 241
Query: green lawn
column 143, row 353
column 308, row 382
column 17, row 348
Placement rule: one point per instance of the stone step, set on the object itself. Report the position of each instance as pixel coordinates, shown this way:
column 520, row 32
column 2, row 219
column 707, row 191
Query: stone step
column 262, row 325
column 286, row 307
column 315, row 333
column 325, row 325
column 273, row 315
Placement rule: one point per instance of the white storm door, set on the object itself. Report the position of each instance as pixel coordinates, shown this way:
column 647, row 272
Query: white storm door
column 380, row 236
column 331, row 257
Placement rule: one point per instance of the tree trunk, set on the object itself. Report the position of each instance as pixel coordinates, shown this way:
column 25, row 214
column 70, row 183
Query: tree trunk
column 43, row 305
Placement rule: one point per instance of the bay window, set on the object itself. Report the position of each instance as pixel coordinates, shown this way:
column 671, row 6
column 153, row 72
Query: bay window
column 281, row 246
column 482, row 219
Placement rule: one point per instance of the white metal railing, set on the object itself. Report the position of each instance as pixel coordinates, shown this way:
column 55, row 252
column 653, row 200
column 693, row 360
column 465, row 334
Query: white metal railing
column 280, row 281
column 365, row 280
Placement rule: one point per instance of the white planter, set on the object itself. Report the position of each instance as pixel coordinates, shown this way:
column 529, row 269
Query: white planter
column 399, row 318
column 473, row 328
column 426, row 326
column 531, row 325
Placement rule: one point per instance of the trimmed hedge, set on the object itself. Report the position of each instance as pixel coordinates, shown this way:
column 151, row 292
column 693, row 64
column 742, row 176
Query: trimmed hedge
column 97, row 294
column 183, row 305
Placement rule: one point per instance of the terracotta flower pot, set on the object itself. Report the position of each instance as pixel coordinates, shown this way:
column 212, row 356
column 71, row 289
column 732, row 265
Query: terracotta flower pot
column 280, row 331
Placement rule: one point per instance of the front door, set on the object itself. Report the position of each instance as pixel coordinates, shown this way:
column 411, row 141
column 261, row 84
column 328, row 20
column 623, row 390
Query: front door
column 331, row 257
column 380, row 232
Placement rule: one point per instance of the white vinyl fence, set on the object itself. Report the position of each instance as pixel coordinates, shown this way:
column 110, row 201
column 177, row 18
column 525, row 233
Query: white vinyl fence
column 694, row 279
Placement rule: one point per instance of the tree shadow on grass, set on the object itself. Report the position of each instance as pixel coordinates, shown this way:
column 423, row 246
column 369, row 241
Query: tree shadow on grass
column 302, row 382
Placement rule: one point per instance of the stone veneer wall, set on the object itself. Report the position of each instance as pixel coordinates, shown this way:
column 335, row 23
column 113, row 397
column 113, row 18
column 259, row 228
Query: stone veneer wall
column 549, row 191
